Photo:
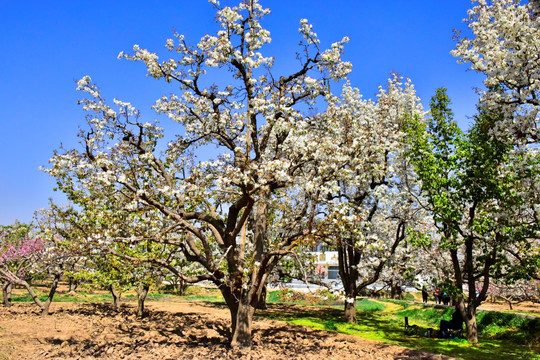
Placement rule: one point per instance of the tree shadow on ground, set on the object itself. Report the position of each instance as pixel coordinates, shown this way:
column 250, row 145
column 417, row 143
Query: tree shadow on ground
column 98, row 331
column 180, row 334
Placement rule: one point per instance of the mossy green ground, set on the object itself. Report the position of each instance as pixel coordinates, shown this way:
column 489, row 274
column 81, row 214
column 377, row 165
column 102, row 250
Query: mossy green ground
column 502, row 335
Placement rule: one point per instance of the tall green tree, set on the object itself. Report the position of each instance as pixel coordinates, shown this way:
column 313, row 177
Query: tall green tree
column 476, row 188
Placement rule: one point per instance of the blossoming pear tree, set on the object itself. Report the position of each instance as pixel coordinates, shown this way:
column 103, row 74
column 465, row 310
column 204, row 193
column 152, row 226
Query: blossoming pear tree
column 504, row 47
column 267, row 146
column 122, row 248
column 368, row 216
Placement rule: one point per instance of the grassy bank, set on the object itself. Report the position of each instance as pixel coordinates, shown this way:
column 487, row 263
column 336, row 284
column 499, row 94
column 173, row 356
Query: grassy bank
column 502, row 335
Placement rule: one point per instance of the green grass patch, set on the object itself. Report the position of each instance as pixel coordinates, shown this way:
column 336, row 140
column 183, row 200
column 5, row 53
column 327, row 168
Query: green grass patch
column 153, row 296
column 79, row 297
column 369, row 306
column 404, row 304
column 385, row 323
column 273, row 297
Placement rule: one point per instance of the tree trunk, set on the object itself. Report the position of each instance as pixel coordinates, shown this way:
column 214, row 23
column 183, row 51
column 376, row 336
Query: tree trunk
column 142, row 292
column 469, row 317
column 6, row 293
column 232, row 304
column 179, row 286
column 45, row 308
column 241, row 336
column 116, row 297
column 472, row 329
column 260, row 303
column 72, row 285
column 260, row 233
column 350, row 310
column 47, row 304
column 395, row 291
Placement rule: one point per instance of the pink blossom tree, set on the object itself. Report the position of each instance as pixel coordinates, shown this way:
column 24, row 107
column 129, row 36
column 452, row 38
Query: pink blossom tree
column 26, row 256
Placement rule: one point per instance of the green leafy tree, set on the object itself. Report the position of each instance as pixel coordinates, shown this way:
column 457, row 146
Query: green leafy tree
column 475, row 186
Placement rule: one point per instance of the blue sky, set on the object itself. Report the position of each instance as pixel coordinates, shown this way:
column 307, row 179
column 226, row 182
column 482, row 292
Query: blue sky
column 47, row 45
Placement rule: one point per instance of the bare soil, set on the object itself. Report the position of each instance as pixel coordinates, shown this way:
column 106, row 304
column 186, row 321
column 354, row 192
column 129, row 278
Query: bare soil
column 171, row 330
column 522, row 307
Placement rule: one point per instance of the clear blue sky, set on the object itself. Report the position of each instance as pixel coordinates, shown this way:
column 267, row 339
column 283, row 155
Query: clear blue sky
column 47, row 45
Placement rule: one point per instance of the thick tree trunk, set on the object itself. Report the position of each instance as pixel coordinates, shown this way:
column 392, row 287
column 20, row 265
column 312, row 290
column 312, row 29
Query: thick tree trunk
column 142, row 292
column 350, row 310
column 241, row 336
column 241, row 316
column 232, row 304
column 469, row 317
column 348, row 258
column 472, row 329
column 241, row 300
column 395, row 291
column 6, row 293
column 116, row 297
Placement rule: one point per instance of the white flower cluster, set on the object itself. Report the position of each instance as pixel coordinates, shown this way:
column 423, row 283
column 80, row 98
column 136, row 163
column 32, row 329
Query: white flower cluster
column 306, row 29
column 504, row 46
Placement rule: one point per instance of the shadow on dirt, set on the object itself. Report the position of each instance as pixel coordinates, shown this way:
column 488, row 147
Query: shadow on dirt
column 188, row 335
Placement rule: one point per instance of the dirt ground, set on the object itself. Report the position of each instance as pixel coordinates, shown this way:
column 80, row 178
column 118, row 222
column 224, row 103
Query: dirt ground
column 171, row 330
column 524, row 307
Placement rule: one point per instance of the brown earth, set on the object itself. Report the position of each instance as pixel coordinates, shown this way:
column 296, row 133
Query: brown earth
column 171, row 330
column 523, row 307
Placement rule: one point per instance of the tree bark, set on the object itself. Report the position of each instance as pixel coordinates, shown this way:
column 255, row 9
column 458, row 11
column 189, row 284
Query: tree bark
column 179, row 286
column 350, row 310
column 116, row 297
column 44, row 306
column 52, row 291
column 472, row 329
column 142, row 292
column 6, row 293
column 72, row 285
column 232, row 304
column 469, row 317
column 260, row 233
column 260, row 303
column 395, row 290
column 241, row 336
